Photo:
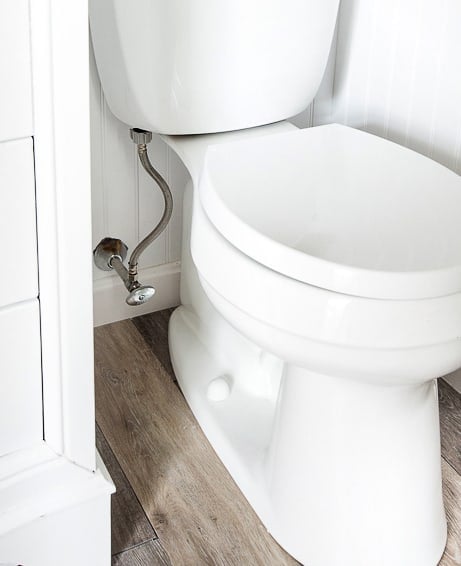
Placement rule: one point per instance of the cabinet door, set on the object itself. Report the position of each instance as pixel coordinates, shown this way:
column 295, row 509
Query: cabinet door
column 18, row 240
column 15, row 70
column 20, row 377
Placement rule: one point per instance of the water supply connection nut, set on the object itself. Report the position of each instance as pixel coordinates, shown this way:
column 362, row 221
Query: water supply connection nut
column 140, row 137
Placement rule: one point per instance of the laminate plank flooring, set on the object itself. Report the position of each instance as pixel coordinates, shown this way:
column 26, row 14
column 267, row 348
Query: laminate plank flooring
column 450, row 424
column 150, row 553
column 452, row 498
column 130, row 526
column 189, row 499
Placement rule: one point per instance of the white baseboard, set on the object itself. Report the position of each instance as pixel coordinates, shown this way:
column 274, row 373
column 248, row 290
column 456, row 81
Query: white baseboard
column 109, row 294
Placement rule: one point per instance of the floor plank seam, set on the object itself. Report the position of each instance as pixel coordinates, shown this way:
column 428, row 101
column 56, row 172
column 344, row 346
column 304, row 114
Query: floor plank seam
column 136, row 546
column 156, row 537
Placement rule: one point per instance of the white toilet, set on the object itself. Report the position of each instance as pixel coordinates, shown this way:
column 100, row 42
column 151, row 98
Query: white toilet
column 321, row 276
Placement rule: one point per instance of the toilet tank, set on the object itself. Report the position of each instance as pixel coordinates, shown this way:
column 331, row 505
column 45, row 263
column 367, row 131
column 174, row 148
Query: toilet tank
column 203, row 66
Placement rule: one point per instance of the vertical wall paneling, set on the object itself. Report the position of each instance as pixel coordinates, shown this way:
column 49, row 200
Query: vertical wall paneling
column 120, row 191
column 446, row 140
column 396, row 74
column 348, row 75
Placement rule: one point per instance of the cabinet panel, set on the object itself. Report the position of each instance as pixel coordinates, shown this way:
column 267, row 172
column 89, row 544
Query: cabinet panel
column 18, row 238
column 15, row 70
column 20, row 377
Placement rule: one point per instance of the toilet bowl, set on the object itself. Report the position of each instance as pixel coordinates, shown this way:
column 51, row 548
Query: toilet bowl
column 308, row 343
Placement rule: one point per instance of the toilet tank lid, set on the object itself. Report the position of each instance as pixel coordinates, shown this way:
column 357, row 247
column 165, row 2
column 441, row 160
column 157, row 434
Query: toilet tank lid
column 340, row 209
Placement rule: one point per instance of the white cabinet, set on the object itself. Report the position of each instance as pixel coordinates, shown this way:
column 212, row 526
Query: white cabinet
column 20, row 357
column 15, row 70
column 21, row 412
column 18, row 240
column 20, row 377
column 51, row 492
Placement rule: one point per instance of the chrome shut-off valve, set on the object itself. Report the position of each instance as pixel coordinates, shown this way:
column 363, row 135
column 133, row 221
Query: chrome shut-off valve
column 110, row 254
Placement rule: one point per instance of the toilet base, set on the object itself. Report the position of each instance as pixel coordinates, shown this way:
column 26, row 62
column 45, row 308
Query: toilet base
column 353, row 480
column 241, row 443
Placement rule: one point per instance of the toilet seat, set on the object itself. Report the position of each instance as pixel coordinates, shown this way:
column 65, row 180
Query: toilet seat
column 357, row 214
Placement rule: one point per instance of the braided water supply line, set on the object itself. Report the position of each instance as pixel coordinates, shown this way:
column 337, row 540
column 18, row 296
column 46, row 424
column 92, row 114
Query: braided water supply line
column 142, row 138
column 110, row 253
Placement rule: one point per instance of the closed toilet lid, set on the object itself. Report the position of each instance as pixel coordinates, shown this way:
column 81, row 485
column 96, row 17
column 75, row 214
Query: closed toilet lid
column 340, row 209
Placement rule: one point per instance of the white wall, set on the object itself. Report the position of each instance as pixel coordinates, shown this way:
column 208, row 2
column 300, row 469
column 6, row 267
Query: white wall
column 394, row 71
column 397, row 74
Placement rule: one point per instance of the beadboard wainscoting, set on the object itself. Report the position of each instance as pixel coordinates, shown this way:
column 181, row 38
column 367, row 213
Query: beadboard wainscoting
column 396, row 74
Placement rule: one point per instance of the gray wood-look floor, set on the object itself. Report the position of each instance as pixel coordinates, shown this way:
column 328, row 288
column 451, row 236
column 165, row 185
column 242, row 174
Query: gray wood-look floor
column 175, row 502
